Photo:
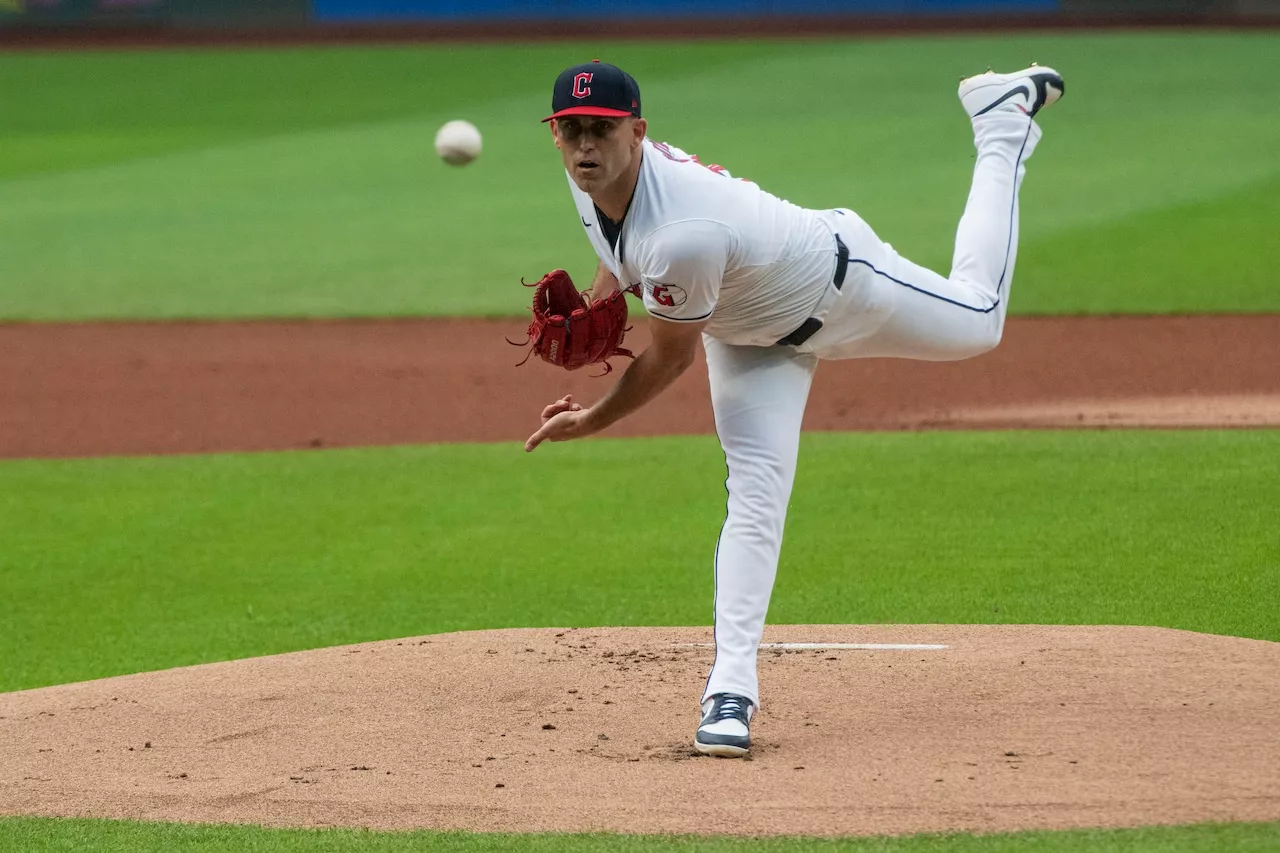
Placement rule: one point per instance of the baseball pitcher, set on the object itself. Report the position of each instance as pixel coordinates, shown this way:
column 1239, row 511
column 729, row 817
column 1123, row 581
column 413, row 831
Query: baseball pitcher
column 770, row 289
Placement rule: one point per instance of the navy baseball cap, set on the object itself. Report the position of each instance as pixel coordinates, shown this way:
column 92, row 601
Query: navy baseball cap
column 595, row 89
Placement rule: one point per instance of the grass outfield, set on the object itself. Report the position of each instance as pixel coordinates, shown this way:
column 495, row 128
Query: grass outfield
column 301, row 182
column 33, row 835
column 122, row 565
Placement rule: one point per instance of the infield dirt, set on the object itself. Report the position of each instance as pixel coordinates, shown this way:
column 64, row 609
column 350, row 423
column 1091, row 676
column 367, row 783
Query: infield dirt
column 1007, row 728
column 145, row 388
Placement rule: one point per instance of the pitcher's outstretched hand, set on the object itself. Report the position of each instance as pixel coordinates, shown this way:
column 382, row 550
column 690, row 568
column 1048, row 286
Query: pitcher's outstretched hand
column 561, row 421
column 564, row 404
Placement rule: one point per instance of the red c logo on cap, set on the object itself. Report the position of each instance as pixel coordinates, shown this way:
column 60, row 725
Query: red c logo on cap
column 580, row 87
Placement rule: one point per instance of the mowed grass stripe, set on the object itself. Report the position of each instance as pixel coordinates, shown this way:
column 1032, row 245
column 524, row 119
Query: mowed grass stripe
column 34, row 835
column 331, row 208
column 148, row 102
column 121, row 565
column 1155, row 271
column 301, row 182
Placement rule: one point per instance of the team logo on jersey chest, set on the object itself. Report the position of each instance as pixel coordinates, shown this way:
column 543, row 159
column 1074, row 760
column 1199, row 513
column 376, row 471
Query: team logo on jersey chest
column 580, row 87
column 667, row 295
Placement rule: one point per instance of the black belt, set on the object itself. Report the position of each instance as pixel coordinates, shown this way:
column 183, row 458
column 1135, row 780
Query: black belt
column 810, row 327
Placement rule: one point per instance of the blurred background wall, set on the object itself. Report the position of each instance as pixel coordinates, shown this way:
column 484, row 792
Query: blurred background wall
column 92, row 14
column 420, row 16
column 348, row 10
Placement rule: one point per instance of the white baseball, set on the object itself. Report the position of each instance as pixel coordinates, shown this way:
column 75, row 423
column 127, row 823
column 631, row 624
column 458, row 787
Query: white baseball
column 458, row 142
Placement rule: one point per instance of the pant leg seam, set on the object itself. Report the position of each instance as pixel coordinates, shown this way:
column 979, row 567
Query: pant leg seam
column 918, row 289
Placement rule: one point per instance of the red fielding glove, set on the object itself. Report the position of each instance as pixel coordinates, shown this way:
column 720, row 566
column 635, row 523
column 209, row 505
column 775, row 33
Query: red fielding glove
column 570, row 332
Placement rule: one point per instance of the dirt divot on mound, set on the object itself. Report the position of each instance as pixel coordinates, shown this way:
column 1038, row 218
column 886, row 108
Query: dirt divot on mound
column 1007, row 728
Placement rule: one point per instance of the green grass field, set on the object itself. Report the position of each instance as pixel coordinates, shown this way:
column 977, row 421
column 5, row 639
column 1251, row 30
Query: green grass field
column 302, row 182
column 217, row 557
column 46, row 836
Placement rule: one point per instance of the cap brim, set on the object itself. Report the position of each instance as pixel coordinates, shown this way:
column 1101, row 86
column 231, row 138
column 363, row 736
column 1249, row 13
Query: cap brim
column 589, row 111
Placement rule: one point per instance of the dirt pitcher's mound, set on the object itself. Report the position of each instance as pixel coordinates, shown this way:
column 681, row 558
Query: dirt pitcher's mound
column 1004, row 728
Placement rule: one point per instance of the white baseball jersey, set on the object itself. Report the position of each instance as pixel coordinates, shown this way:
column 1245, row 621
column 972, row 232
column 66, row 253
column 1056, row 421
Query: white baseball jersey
column 706, row 246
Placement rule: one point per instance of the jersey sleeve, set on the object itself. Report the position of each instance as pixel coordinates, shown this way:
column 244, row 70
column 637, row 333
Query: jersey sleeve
column 681, row 269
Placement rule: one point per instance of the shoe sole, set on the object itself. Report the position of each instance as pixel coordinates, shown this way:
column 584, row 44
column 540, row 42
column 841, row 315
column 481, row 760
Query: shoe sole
column 721, row 750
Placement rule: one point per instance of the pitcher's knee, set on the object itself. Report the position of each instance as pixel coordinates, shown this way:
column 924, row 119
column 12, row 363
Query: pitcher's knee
column 968, row 345
column 758, row 499
column 989, row 339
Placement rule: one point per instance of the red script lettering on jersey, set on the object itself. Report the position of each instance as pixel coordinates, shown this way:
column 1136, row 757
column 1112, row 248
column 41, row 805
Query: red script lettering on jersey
column 580, row 87
column 665, row 150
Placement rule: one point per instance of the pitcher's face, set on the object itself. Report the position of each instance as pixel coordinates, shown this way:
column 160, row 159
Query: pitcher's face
column 597, row 150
